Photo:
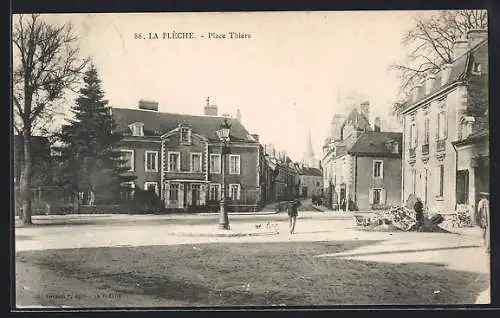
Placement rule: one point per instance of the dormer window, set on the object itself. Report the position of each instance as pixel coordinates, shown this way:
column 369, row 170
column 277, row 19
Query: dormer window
column 137, row 129
column 185, row 135
column 395, row 147
column 476, row 68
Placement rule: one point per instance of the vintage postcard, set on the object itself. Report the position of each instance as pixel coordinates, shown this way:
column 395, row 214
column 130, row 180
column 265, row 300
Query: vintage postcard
column 251, row 159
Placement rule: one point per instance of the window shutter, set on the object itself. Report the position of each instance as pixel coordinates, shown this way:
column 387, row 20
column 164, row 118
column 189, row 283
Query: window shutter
column 239, row 191
column 382, row 196
column 382, row 169
column 445, row 119
column 416, row 133
column 238, row 166
column 370, row 196
column 438, row 177
column 437, row 127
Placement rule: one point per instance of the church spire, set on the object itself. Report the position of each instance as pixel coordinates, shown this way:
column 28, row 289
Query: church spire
column 309, row 158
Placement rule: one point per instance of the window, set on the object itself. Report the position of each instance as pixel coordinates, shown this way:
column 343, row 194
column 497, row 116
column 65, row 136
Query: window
column 185, row 135
column 426, row 131
column 215, row 163
column 196, row 162
column 151, row 160
column 174, row 162
column 173, row 192
column 462, row 187
column 378, row 169
column 376, row 196
column 234, row 191
column 127, row 191
column 137, row 129
column 214, row 192
column 441, row 180
column 234, row 164
column 413, row 136
column 151, row 186
column 441, row 126
column 128, row 158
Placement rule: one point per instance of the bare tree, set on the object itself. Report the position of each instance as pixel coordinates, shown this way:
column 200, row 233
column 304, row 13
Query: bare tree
column 430, row 44
column 46, row 64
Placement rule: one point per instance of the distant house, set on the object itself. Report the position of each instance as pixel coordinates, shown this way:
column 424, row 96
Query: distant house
column 446, row 131
column 363, row 166
column 179, row 157
column 281, row 175
column 310, row 181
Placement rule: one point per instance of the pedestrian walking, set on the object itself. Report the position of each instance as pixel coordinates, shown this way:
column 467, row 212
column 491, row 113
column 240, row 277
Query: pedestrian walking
column 483, row 208
column 419, row 213
column 292, row 213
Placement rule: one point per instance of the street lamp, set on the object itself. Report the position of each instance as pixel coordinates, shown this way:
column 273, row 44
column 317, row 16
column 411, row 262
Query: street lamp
column 223, row 134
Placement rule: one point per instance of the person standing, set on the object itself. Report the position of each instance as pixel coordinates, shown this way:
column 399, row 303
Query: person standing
column 292, row 214
column 483, row 208
column 419, row 213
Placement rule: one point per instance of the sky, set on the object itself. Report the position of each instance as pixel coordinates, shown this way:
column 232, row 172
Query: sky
column 288, row 78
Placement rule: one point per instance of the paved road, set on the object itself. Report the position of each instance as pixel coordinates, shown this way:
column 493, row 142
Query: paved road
column 461, row 251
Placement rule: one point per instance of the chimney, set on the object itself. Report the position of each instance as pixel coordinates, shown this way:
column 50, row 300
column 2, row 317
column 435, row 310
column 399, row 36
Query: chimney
column 238, row 115
column 270, row 150
column 364, row 108
column 475, row 36
column 210, row 110
column 429, row 83
column 460, row 47
column 256, row 137
column 445, row 73
column 416, row 92
column 335, row 126
column 377, row 127
column 148, row 105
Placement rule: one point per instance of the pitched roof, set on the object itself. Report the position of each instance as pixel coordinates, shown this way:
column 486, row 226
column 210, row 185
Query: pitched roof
column 342, row 146
column 158, row 123
column 375, row 143
column 459, row 68
column 358, row 119
column 310, row 171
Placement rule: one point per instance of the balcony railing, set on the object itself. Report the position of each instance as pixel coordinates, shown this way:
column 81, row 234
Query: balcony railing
column 411, row 152
column 425, row 149
column 440, row 145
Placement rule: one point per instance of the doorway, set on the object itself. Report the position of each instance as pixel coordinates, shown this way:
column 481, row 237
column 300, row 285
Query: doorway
column 195, row 194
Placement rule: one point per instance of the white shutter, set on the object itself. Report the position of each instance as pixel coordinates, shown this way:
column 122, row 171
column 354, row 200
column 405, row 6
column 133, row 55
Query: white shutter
column 437, row 174
column 382, row 196
column 239, row 192
column 381, row 169
column 370, row 196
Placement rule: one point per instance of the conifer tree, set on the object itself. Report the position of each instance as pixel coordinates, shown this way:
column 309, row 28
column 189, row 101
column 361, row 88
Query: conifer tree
column 89, row 159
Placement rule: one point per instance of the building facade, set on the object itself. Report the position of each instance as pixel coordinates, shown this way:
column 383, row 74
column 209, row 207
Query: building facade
column 441, row 112
column 362, row 166
column 310, row 181
column 180, row 158
column 281, row 175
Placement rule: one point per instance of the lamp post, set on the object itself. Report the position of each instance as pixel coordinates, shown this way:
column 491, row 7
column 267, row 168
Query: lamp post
column 223, row 134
